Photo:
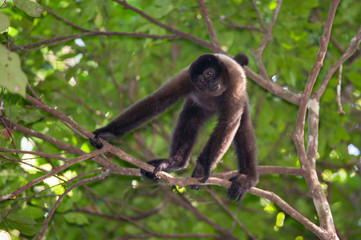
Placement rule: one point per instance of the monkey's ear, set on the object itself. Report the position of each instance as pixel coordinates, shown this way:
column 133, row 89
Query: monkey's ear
column 242, row 59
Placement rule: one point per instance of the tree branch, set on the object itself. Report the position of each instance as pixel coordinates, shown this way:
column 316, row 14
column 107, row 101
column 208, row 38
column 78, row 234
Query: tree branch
column 208, row 22
column 351, row 49
column 169, row 28
column 274, row 88
column 267, row 37
column 66, row 21
column 223, row 206
column 52, row 211
column 338, row 91
column 31, row 183
column 307, row 165
column 56, row 40
column 324, row 39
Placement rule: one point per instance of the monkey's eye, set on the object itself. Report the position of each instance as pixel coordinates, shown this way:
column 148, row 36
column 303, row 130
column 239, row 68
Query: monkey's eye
column 210, row 73
column 201, row 79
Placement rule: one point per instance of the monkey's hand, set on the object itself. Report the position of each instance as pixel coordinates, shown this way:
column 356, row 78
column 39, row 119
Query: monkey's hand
column 200, row 171
column 240, row 185
column 95, row 142
column 167, row 165
column 100, row 133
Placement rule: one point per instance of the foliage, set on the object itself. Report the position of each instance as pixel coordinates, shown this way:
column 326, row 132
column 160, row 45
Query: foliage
column 89, row 60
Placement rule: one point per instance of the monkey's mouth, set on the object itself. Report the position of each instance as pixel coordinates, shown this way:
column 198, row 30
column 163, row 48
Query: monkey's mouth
column 215, row 88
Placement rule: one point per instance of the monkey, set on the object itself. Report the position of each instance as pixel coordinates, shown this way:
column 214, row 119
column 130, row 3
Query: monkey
column 214, row 84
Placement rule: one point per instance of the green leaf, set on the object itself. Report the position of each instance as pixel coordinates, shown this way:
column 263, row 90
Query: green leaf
column 11, row 76
column 355, row 78
column 32, row 212
column 4, row 22
column 31, row 8
column 24, row 224
column 327, row 175
column 77, row 218
column 329, row 95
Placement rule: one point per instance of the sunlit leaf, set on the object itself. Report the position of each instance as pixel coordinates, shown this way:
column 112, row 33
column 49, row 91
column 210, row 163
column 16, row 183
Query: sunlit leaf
column 272, row 5
column 4, row 22
column 327, row 175
column 31, row 8
column 280, row 219
column 11, row 75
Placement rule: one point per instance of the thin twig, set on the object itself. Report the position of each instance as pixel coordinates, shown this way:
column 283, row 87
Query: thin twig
column 66, row 21
column 182, row 201
column 177, row 32
column 224, row 207
column 31, row 183
column 208, row 22
column 267, row 37
column 56, row 204
column 351, row 49
column 260, row 19
column 338, row 91
column 89, row 34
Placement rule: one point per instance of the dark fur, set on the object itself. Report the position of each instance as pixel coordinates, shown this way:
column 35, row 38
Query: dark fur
column 213, row 84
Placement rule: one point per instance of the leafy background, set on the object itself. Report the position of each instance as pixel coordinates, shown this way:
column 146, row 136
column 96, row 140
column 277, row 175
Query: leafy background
column 92, row 78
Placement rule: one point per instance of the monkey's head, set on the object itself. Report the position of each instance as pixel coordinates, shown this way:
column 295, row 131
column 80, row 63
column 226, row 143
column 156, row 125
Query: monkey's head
column 206, row 74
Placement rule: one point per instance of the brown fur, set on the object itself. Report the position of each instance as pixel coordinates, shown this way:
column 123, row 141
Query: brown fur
column 207, row 94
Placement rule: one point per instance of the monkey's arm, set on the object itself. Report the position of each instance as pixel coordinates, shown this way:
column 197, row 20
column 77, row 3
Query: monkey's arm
column 145, row 109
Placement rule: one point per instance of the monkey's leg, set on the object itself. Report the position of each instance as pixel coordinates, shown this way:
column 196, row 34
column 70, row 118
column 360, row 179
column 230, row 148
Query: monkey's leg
column 219, row 141
column 246, row 150
column 184, row 135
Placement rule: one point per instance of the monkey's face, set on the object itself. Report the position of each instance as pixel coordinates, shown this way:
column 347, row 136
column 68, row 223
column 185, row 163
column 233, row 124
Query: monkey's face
column 209, row 81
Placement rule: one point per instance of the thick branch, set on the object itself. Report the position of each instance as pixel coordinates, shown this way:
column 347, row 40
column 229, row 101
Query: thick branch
column 319, row 232
column 311, row 178
column 273, row 87
column 324, row 39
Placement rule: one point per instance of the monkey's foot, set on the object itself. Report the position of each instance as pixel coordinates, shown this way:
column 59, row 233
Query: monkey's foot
column 95, row 142
column 167, row 165
column 200, row 172
column 240, row 185
column 103, row 133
